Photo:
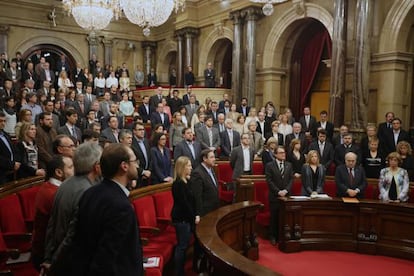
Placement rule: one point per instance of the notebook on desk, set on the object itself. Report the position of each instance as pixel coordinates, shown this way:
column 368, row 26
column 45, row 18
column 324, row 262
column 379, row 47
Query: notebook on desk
column 350, row 200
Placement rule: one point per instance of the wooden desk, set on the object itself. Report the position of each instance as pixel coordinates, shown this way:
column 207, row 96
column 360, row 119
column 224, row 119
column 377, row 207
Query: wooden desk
column 369, row 227
column 223, row 235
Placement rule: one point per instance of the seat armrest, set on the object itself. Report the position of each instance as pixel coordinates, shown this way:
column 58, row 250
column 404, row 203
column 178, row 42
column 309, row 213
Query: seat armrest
column 149, row 230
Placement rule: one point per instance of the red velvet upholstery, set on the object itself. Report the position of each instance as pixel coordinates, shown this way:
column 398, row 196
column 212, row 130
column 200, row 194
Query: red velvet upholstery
column 257, row 168
column 296, row 187
column 163, row 205
column 224, row 172
column 261, row 194
column 27, row 199
column 330, row 188
column 371, row 192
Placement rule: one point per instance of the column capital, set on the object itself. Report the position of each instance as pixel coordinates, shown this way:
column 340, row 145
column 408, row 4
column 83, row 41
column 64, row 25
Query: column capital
column 189, row 32
column 108, row 42
column 4, row 29
column 93, row 39
column 236, row 17
column 252, row 13
column 150, row 44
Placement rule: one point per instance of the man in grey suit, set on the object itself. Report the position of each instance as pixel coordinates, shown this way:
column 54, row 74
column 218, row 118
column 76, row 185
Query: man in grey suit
column 70, row 127
column 229, row 138
column 256, row 139
column 241, row 158
column 62, row 222
column 112, row 131
column 89, row 97
column 279, row 176
column 191, row 108
column 208, row 136
column 210, row 76
column 188, row 147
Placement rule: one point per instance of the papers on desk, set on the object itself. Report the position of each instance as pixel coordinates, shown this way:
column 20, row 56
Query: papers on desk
column 299, row 197
column 152, row 262
column 23, row 258
column 350, row 200
column 320, row 196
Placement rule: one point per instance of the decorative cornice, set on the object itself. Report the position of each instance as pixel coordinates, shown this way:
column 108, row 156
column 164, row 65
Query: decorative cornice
column 252, row 13
column 187, row 32
column 150, row 44
column 236, row 17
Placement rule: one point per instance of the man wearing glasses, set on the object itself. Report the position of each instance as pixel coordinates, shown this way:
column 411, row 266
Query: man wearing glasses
column 279, row 179
column 64, row 145
column 141, row 148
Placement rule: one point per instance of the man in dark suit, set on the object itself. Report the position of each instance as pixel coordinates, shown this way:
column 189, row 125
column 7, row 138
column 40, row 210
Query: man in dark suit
column 63, row 65
column 191, row 107
column 209, row 76
column 188, row 147
column 229, row 138
column 243, row 108
column 174, row 102
column 308, row 122
column 145, row 110
column 241, row 158
column 385, row 127
column 213, row 112
column 204, row 185
column 70, row 127
column 393, row 136
column 279, row 176
column 8, row 165
column 296, row 134
column 141, row 148
column 324, row 148
column 157, row 98
column 111, row 132
column 46, row 74
column 338, row 139
column 347, row 146
column 189, row 78
column 107, row 239
column 350, row 179
column 159, row 117
column 324, row 124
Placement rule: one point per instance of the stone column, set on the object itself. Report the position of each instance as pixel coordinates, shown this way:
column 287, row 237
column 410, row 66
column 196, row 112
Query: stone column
column 190, row 33
column 338, row 62
column 108, row 45
column 149, row 52
column 4, row 35
column 180, row 67
column 251, row 14
column 93, row 40
column 360, row 85
column 237, row 56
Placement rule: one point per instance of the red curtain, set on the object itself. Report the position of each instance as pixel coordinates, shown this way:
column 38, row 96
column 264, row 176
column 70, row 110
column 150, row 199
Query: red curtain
column 310, row 62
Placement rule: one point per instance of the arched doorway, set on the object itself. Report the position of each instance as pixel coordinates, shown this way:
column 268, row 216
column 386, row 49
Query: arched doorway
column 309, row 75
column 52, row 54
column 221, row 56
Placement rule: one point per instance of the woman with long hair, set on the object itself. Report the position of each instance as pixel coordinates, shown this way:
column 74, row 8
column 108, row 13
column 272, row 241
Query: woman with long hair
column 125, row 106
column 64, row 81
column 296, row 157
column 394, row 182
column 183, row 213
column 407, row 161
column 99, row 84
column 313, row 175
column 25, row 116
column 27, row 152
column 176, row 129
column 233, row 114
column 161, row 160
column 183, row 113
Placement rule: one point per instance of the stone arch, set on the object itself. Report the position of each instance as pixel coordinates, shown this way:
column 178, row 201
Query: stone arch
column 164, row 55
column 283, row 28
column 206, row 52
column 395, row 30
column 28, row 43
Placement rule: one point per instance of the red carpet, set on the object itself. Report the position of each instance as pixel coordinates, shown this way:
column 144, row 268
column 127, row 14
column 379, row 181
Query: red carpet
column 330, row 263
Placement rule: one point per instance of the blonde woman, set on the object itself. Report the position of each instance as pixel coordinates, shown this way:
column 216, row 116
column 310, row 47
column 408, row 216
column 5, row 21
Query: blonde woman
column 393, row 182
column 64, row 81
column 183, row 213
column 313, row 175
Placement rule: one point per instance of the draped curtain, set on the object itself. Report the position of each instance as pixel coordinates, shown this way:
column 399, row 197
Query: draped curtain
column 310, row 62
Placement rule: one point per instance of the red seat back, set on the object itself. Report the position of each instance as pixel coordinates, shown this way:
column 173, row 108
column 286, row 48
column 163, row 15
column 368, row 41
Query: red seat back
column 11, row 215
column 261, row 194
column 163, row 204
column 224, row 172
column 330, row 188
column 145, row 211
column 257, row 168
column 27, row 199
column 371, row 192
column 296, row 187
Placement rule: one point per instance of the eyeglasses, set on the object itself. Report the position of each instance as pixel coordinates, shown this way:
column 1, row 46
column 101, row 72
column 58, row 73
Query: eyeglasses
column 69, row 146
column 2, row 120
column 133, row 161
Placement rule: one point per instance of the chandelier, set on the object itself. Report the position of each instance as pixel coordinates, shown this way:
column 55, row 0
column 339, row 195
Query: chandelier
column 150, row 13
column 268, row 5
column 92, row 14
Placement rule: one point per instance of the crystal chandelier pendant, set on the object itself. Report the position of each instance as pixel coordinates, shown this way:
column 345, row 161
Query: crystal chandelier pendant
column 146, row 31
column 268, row 5
column 267, row 9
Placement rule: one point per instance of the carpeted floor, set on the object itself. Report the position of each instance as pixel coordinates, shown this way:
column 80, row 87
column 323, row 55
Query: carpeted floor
column 328, row 263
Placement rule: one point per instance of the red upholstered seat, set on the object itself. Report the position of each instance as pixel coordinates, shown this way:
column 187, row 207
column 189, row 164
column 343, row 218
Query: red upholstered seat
column 224, row 172
column 296, row 187
column 27, row 199
column 12, row 223
column 257, row 168
column 261, row 194
column 163, row 205
column 330, row 188
column 371, row 192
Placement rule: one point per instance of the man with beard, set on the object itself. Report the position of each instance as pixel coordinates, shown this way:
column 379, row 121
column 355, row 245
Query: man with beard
column 45, row 135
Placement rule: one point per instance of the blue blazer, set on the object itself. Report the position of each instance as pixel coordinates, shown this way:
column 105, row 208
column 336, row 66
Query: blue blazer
column 161, row 165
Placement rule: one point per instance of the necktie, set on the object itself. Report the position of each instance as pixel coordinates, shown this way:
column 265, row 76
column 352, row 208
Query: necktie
column 282, row 169
column 74, row 133
column 191, row 146
column 211, row 173
column 231, row 139
column 351, row 177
